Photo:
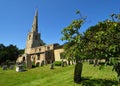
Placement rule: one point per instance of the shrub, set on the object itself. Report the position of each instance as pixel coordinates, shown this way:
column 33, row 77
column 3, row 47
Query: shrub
column 57, row 63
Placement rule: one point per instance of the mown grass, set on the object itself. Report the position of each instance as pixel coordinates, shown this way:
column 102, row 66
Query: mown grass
column 60, row 76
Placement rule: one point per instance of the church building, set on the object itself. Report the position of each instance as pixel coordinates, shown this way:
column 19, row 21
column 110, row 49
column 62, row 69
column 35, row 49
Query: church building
column 35, row 51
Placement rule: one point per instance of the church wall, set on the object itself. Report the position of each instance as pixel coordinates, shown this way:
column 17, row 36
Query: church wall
column 49, row 56
column 34, row 52
column 42, row 48
column 57, row 53
column 28, row 62
column 20, row 58
column 37, row 58
column 42, row 57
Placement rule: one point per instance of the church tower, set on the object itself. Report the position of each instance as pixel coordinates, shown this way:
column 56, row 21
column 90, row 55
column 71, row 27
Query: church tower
column 33, row 38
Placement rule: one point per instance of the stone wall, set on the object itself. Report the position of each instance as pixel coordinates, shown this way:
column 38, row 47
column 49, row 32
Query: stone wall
column 57, row 53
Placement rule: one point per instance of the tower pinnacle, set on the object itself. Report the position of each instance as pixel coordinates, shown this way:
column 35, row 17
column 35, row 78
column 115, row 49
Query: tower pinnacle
column 35, row 22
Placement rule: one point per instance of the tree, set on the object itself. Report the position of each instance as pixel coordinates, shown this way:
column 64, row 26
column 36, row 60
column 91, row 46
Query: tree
column 12, row 52
column 74, row 46
column 8, row 53
column 21, row 51
column 96, row 41
column 2, row 46
column 103, row 40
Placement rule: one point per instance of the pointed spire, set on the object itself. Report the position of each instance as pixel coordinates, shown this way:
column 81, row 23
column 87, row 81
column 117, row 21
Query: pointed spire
column 35, row 22
column 36, row 12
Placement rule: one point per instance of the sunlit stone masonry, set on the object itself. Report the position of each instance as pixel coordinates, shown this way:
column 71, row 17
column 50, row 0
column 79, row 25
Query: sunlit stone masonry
column 35, row 52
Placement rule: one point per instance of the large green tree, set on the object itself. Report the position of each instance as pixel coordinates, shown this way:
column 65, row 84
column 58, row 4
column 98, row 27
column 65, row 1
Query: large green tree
column 8, row 53
column 74, row 45
column 102, row 40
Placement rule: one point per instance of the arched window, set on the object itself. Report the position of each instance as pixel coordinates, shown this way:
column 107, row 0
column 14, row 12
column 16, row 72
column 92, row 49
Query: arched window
column 29, row 37
column 23, row 59
column 39, row 49
column 38, row 57
column 48, row 48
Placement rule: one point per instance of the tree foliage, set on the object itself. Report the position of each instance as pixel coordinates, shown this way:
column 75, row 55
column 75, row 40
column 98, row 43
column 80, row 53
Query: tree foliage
column 8, row 53
column 74, row 45
column 102, row 40
column 72, row 36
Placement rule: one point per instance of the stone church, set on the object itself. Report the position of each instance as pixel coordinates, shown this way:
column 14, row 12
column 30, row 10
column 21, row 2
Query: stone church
column 35, row 52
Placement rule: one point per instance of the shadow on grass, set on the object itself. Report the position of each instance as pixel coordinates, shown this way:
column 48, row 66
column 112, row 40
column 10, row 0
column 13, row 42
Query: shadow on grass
column 86, row 81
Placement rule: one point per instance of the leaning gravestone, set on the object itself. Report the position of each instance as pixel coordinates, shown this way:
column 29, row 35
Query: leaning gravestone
column 4, row 67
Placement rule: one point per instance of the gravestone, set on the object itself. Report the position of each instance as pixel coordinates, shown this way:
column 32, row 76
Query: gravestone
column 65, row 63
column 19, row 67
column 11, row 67
column 91, row 61
column 95, row 62
column 4, row 67
column 52, row 66
column 62, row 63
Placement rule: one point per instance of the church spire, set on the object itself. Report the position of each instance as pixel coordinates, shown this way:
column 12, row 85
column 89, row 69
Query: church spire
column 35, row 22
column 33, row 39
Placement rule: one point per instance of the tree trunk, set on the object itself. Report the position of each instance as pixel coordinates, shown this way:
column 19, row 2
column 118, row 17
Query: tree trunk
column 78, row 72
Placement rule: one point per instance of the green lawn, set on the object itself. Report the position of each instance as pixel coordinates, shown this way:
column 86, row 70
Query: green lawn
column 43, row 76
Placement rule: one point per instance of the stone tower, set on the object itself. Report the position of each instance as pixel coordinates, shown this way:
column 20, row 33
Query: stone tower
column 33, row 38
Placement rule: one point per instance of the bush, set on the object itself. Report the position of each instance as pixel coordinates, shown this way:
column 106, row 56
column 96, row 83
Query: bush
column 57, row 63
column 112, row 61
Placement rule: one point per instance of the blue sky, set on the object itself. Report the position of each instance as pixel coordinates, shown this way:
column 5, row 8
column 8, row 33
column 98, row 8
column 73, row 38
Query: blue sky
column 16, row 17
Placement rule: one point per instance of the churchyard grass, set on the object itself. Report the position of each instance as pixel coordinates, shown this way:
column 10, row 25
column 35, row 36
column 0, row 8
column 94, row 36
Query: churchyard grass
column 59, row 76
